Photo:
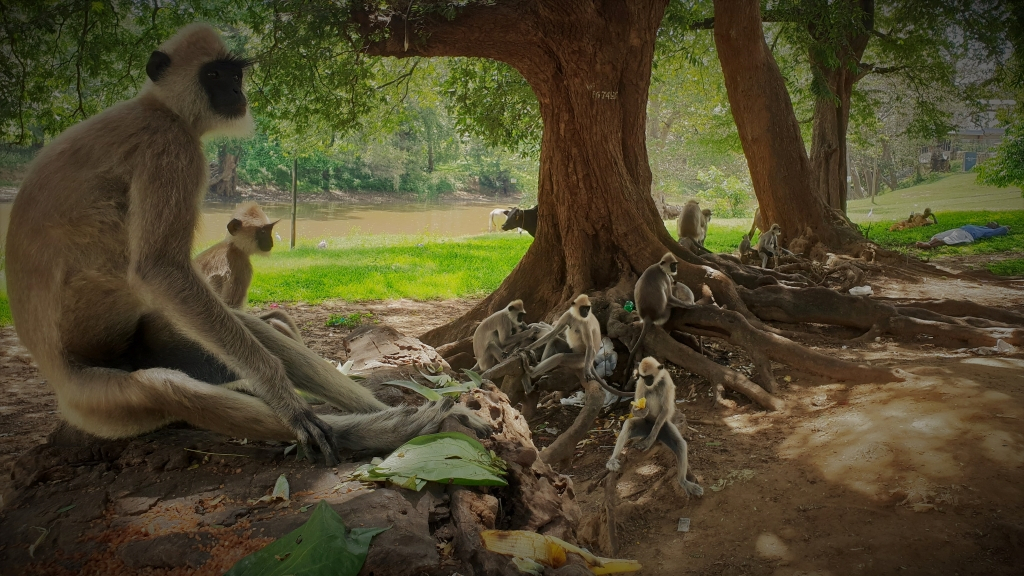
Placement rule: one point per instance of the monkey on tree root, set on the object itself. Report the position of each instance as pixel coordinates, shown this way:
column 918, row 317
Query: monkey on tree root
column 498, row 332
column 227, row 268
column 654, row 407
column 655, row 297
column 573, row 343
column 692, row 226
column 105, row 296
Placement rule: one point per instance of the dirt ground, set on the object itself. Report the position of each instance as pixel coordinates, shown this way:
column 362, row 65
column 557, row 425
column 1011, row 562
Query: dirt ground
column 920, row 477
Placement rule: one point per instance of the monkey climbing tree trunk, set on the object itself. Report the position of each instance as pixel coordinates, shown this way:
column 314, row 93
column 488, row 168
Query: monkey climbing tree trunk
column 779, row 167
column 590, row 66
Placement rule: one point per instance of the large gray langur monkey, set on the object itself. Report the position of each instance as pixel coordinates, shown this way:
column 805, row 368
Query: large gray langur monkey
column 106, row 298
column 654, row 406
column 655, row 298
column 768, row 246
column 498, row 332
column 577, row 349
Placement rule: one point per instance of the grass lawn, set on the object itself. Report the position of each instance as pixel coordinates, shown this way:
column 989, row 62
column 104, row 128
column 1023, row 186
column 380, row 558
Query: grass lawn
column 374, row 268
column 5, row 310
column 956, row 192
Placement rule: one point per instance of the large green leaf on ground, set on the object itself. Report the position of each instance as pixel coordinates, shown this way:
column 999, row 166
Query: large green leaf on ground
column 321, row 546
column 447, row 457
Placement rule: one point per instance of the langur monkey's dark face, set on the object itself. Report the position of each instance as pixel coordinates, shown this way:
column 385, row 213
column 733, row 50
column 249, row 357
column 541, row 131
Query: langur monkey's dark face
column 582, row 305
column 649, row 370
column 669, row 264
column 222, row 82
column 517, row 311
column 265, row 236
column 220, row 79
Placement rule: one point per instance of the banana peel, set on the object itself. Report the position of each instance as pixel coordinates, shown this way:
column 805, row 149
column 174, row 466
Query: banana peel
column 550, row 551
column 640, row 404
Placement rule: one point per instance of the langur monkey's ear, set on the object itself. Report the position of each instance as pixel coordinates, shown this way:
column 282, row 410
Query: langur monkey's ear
column 158, row 63
column 234, row 226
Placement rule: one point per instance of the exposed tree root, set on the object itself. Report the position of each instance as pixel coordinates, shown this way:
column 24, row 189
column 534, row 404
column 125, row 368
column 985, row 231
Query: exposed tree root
column 821, row 305
column 611, row 500
column 964, row 308
column 563, row 447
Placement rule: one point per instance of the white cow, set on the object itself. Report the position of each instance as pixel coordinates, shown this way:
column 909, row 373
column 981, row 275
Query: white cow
column 497, row 218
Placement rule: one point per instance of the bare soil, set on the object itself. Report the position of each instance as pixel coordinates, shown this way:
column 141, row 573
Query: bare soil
column 920, row 477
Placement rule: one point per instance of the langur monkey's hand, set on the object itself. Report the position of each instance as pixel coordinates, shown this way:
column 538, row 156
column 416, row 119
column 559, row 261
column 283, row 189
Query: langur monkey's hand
column 308, row 427
column 645, row 444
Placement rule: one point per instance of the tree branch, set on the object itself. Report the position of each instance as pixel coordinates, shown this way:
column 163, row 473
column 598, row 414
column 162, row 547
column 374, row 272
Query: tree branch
column 496, row 31
column 766, row 16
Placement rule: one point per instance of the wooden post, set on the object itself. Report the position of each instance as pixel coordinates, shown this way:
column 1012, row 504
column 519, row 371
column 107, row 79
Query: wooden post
column 295, row 197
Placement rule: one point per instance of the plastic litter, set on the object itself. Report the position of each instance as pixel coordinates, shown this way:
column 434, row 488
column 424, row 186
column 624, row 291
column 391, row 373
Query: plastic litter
column 861, row 291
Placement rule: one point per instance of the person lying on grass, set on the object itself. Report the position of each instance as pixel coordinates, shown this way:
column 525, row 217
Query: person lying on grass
column 964, row 235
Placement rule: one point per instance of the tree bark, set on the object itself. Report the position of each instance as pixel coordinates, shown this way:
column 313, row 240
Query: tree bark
column 224, row 180
column 832, row 116
column 780, row 170
column 590, row 67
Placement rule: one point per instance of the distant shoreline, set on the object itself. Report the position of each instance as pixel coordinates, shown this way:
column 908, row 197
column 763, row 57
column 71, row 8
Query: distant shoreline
column 7, row 194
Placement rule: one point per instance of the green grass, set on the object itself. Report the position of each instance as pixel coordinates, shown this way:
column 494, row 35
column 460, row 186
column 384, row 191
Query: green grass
column 956, row 192
column 5, row 310
column 902, row 240
column 724, row 234
column 380, row 268
column 1010, row 267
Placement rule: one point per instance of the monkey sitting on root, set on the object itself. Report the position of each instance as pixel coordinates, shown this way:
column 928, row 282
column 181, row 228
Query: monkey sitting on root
column 499, row 332
column 577, row 349
column 693, row 227
column 122, row 325
column 654, row 407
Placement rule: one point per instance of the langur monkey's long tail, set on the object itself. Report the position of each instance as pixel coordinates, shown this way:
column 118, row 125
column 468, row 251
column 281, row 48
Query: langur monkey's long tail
column 635, row 349
column 388, row 429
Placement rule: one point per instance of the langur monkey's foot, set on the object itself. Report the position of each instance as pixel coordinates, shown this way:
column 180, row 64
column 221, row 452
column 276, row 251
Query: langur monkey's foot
column 309, row 428
column 614, row 465
column 692, row 488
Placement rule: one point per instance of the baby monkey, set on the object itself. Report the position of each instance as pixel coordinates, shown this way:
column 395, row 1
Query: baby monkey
column 654, row 406
column 226, row 265
column 227, row 268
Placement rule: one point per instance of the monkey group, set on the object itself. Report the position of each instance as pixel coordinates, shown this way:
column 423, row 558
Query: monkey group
column 127, row 330
column 132, row 334
column 573, row 343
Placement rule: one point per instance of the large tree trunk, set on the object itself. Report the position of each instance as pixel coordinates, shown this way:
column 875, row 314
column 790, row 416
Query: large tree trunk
column 590, row 67
column 224, row 177
column 832, row 117
column 828, row 139
column 779, row 167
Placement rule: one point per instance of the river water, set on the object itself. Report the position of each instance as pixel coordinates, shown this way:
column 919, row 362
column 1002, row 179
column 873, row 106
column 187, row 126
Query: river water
column 319, row 220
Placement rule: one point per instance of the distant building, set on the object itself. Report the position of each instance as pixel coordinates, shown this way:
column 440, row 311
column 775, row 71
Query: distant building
column 972, row 141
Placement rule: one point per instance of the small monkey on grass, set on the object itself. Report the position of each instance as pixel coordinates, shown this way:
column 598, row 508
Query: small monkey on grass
column 226, row 265
column 654, row 407
column 227, row 268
